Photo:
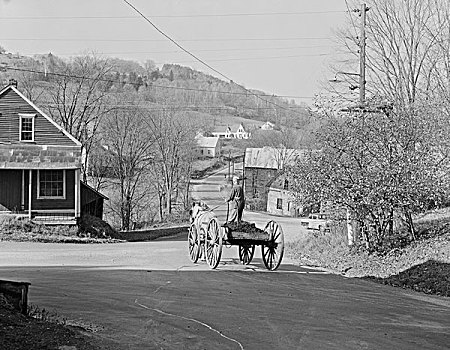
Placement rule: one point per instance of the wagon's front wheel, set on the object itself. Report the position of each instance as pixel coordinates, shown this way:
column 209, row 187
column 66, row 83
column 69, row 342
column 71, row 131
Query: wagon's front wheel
column 246, row 252
column 193, row 243
column 213, row 243
column 272, row 250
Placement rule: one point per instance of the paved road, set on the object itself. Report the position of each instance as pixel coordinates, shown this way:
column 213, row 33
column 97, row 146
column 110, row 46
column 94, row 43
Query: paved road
column 150, row 296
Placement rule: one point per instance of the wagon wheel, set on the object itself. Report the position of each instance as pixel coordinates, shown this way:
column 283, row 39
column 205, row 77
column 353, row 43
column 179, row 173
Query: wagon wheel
column 272, row 251
column 246, row 252
column 213, row 243
column 193, row 243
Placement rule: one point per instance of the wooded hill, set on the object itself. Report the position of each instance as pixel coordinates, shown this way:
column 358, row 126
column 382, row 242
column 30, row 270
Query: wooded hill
column 170, row 86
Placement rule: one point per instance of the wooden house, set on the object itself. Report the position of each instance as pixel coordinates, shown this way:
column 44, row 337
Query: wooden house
column 261, row 167
column 40, row 165
column 281, row 198
column 208, row 147
column 228, row 133
column 268, row 126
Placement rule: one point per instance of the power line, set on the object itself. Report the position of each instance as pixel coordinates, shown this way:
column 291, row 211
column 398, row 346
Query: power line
column 194, row 56
column 257, row 58
column 174, row 107
column 152, row 85
column 161, row 40
column 205, row 50
column 250, row 58
column 351, row 18
column 174, row 16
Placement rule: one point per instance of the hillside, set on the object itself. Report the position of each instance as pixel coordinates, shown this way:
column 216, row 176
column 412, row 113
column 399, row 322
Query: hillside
column 226, row 103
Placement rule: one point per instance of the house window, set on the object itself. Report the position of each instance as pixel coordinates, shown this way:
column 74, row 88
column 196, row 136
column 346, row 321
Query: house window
column 26, row 127
column 52, row 184
column 209, row 151
column 286, row 184
column 279, row 203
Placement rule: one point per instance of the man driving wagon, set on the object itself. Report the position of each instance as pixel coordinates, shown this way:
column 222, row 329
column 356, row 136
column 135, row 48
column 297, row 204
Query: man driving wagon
column 238, row 200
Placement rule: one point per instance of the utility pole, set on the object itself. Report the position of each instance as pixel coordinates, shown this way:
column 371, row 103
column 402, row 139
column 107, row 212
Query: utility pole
column 362, row 56
column 229, row 164
column 362, row 101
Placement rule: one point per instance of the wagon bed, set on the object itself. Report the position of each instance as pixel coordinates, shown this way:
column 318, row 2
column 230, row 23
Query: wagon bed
column 244, row 231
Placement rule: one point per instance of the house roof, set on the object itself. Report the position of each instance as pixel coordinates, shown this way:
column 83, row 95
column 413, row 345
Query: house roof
column 225, row 129
column 60, row 128
column 268, row 125
column 208, row 142
column 269, row 157
column 93, row 190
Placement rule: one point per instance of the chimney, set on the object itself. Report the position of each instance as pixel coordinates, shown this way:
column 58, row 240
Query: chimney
column 13, row 82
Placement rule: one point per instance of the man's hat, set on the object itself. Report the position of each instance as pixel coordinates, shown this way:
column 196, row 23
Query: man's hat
column 237, row 178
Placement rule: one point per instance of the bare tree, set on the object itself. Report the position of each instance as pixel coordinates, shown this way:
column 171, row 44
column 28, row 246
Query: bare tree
column 130, row 149
column 402, row 46
column 174, row 136
column 75, row 98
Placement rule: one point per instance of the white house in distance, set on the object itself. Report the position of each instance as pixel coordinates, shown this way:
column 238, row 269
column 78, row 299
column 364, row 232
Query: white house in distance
column 267, row 126
column 207, row 146
column 228, row 133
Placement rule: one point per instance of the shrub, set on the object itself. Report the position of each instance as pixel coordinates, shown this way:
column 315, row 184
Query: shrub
column 92, row 226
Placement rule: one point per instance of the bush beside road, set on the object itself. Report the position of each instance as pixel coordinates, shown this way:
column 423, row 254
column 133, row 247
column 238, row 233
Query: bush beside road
column 422, row 265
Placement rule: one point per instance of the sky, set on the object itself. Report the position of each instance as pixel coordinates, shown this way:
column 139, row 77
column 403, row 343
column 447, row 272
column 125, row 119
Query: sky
column 282, row 47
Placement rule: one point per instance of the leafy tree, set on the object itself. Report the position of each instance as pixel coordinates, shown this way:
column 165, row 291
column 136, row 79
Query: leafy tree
column 385, row 158
column 378, row 165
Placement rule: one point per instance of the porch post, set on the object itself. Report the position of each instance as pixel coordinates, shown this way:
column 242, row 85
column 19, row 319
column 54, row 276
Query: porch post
column 77, row 193
column 30, row 173
column 22, row 192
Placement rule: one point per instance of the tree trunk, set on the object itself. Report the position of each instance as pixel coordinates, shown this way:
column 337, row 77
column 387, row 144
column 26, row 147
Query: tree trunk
column 161, row 197
column 350, row 232
column 410, row 224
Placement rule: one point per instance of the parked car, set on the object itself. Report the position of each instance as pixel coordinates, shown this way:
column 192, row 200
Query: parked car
column 317, row 221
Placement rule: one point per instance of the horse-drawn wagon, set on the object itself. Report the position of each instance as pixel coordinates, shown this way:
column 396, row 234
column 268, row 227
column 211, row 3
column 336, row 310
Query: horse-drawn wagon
column 206, row 236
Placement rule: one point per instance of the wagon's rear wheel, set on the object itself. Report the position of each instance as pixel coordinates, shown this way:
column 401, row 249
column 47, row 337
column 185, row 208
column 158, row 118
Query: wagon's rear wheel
column 272, row 251
column 213, row 243
column 193, row 243
column 246, row 252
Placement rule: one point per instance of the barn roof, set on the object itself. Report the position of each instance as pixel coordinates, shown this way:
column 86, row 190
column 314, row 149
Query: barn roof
column 269, row 157
column 208, row 142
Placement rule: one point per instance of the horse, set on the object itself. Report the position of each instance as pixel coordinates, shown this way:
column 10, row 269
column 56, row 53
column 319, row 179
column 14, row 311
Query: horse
column 200, row 216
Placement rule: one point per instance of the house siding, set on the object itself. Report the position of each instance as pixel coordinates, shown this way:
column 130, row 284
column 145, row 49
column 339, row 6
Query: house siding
column 91, row 201
column 256, row 186
column 288, row 207
column 45, row 132
column 10, row 190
